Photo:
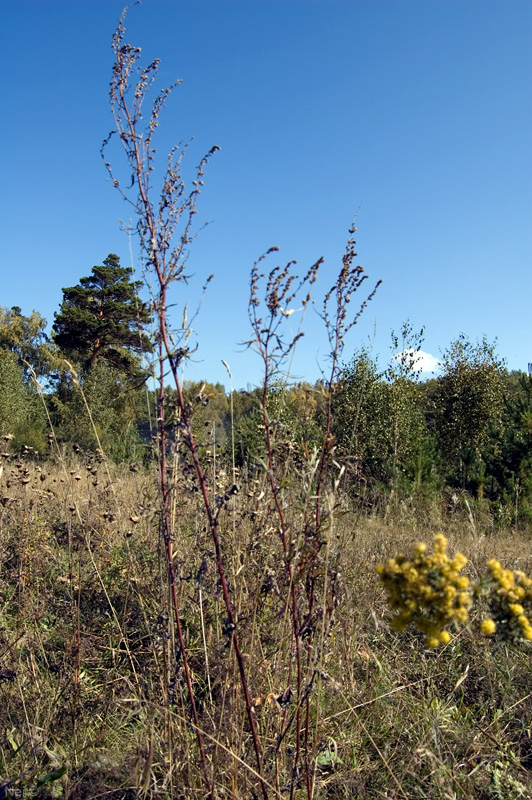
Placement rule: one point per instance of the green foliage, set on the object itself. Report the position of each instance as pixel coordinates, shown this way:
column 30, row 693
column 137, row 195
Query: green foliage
column 509, row 458
column 295, row 411
column 407, row 429
column 21, row 409
column 102, row 319
column 398, row 438
column 468, row 401
column 360, row 416
column 26, row 337
column 296, row 418
column 379, row 420
column 115, row 406
column 12, row 392
column 210, row 412
column 249, row 428
column 421, row 472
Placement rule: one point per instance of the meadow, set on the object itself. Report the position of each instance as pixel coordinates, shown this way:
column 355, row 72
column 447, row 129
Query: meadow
column 95, row 705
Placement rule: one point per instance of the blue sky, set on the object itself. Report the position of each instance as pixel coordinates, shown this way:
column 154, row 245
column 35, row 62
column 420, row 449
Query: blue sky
column 416, row 115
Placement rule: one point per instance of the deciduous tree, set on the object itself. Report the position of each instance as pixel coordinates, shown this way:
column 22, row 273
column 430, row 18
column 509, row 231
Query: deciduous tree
column 468, row 401
column 26, row 337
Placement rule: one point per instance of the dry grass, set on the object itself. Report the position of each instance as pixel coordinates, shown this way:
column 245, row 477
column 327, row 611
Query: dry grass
column 91, row 699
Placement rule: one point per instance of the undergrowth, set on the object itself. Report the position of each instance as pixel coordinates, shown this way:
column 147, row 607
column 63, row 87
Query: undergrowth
column 90, row 694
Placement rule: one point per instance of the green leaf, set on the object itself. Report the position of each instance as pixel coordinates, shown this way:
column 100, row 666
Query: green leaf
column 328, row 759
column 11, row 740
column 51, row 776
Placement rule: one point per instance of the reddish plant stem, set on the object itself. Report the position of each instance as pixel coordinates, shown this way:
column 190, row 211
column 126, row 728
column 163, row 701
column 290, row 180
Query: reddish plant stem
column 167, row 537
column 317, row 522
column 213, row 526
column 166, row 266
column 288, row 565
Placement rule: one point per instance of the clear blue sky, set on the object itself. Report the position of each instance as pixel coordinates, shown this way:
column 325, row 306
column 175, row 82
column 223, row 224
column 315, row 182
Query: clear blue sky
column 414, row 113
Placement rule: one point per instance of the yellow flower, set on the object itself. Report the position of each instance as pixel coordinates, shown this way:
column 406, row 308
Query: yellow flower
column 464, row 599
column 516, row 609
column 526, row 581
column 445, row 637
column 488, row 626
column 459, row 561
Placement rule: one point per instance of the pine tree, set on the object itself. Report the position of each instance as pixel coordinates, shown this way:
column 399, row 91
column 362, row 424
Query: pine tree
column 102, row 319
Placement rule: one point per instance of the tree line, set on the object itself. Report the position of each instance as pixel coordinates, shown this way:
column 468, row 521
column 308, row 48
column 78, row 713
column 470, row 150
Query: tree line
column 467, row 431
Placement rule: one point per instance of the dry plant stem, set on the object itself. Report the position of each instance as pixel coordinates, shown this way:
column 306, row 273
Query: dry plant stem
column 349, row 281
column 337, row 326
column 168, row 538
column 279, row 295
column 288, row 565
column 236, row 758
column 213, row 526
column 156, row 229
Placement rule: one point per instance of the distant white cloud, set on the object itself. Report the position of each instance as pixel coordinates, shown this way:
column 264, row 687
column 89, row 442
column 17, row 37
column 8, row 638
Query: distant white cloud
column 424, row 362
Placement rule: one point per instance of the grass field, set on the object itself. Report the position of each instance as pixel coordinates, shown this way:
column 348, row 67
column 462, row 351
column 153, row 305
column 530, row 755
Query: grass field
column 93, row 704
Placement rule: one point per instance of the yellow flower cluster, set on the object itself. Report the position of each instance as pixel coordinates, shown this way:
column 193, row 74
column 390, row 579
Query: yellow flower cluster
column 427, row 590
column 509, row 602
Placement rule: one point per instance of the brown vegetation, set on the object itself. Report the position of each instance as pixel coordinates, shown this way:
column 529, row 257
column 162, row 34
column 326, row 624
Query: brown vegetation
column 89, row 685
